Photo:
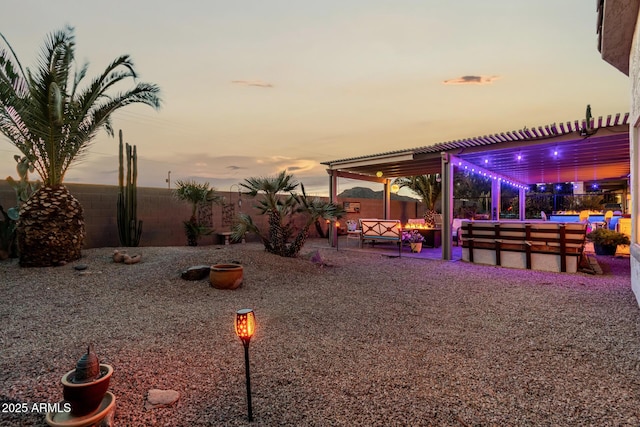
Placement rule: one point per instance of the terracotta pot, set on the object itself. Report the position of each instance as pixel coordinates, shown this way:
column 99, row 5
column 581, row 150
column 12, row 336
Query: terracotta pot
column 86, row 397
column 226, row 276
column 416, row 247
column 103, row 416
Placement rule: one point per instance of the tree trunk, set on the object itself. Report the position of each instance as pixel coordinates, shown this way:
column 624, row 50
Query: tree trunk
column 277, row 238
column 430, row 217
column 50, row 228
column 296, row 246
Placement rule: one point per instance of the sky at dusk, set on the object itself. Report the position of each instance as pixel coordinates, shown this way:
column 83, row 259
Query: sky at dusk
column 254, row 87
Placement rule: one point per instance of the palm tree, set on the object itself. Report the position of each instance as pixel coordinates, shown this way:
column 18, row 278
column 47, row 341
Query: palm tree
column 283, row 238
column 195, row 193
column 52, row 121
column 428, row 187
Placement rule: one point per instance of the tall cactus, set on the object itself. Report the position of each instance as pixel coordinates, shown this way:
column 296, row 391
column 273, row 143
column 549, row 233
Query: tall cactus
column 129, row 228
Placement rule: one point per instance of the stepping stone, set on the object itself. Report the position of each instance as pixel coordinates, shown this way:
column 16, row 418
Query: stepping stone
column 80, row 267
column 157, row 398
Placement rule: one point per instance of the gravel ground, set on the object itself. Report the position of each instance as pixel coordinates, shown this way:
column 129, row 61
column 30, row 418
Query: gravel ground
column 366, row 340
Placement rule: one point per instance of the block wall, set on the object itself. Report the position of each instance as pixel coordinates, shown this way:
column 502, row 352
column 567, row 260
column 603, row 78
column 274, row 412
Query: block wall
column 162, row 214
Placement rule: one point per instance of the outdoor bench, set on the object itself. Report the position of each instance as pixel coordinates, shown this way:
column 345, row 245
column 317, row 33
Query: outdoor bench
column 547, row 246
column 381, row 230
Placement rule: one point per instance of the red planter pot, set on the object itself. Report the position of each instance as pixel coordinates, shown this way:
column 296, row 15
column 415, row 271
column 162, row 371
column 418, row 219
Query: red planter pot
column 86, row 397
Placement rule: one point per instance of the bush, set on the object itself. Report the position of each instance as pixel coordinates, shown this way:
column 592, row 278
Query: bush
column 606, row 237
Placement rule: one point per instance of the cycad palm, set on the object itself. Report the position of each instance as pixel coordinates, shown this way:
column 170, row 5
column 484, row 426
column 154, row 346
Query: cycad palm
column 195, row 194
column 281, row 213
column 52, row 120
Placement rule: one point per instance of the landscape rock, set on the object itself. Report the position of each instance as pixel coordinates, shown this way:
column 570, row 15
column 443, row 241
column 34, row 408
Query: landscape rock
column 118, row 256
column 157, row 398
column 197, row 272
column 133, row 259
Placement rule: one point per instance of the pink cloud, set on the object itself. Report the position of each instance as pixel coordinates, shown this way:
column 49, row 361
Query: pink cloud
column 471, row 80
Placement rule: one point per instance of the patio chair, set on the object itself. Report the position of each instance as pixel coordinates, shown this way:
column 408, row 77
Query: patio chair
column 438, row 220
column 353, row 232
column 607, row 218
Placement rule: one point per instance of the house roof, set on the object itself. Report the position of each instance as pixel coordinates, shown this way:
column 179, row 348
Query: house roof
column 564, row 152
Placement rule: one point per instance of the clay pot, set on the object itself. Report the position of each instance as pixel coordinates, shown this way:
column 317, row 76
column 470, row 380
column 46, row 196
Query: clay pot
column 226, row 276
column 86, row 397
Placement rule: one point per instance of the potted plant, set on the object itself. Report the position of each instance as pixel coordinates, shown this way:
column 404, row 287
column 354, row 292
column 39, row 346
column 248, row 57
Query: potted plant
column 605, row 241
column 85, row 386
column 414, row 238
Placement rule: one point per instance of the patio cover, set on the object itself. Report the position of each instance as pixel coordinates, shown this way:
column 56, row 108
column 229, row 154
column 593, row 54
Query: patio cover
column 564, row 152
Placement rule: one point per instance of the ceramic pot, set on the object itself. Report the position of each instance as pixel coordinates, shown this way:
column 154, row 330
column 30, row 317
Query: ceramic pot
column 86, row 397
column 416, row 247
column 226, row 276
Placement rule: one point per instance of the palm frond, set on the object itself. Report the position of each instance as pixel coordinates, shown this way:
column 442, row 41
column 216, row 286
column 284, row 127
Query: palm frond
column 48, row 117
column 426, row 187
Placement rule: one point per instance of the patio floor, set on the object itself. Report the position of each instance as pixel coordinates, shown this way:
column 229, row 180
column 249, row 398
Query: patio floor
column 390, row 249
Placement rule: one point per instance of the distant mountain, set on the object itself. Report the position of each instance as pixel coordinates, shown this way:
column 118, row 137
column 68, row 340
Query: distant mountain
column 367, row 193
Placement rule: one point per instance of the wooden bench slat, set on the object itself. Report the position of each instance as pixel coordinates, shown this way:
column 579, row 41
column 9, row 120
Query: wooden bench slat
column 565, row 240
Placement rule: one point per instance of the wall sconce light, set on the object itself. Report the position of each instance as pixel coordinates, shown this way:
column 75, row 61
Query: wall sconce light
column 379, row 174
column 245, row 326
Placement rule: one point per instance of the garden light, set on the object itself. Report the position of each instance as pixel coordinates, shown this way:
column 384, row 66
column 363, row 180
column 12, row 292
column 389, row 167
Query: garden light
column 245, row 326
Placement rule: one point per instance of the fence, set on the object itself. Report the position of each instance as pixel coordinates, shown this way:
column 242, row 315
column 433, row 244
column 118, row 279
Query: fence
column 162, row 214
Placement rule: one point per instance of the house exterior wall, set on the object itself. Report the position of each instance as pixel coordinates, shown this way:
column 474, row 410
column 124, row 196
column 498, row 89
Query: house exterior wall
column 620, row 27
column 634, row 74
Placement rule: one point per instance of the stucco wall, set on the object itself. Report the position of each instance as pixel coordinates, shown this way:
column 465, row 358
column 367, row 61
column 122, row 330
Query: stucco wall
column 617, row 32
column 634, row 76
column 162, row 215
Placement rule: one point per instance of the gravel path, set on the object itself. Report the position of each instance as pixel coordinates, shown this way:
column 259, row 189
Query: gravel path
column 367, row 340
